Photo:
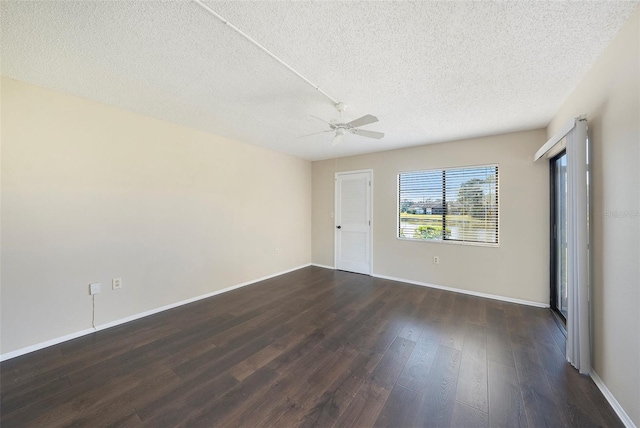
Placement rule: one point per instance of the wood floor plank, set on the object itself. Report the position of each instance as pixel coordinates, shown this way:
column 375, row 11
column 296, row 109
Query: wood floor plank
column 453, row 326
column 109, row 406
column 109, row 401
column 345, row 332
column 172, row 407
column 292, row 332
column 318, row 383
column 600, row 404
column 335, row 400
column 475, row 310
column 573, row 394
column 360, row 328
column 13, row 401
column 416, row 371
column 438, row 397
column 212, row 412
column 269, row 406
column 506, row 408
column 468, row 417
column 387, row 332
column 84, row 359
column 389, row 368
column 498, row 342
column 499, row 347
column 315, row 347
column 104, row 374
column 285, row 312
column 472, row 388
column 400, row 408
column 22, row 369
column 365, row 406
column 540, row 406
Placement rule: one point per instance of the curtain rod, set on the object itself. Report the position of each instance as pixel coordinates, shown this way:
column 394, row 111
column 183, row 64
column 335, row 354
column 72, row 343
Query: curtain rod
column 557, row 137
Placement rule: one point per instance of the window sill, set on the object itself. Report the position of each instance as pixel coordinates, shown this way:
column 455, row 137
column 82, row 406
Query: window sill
column 440, row 241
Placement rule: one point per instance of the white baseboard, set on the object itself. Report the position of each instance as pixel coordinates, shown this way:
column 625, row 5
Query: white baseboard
column 460, row 290
column 626, row 420
column 323, row 266
column 45, row 344
column 41, row 345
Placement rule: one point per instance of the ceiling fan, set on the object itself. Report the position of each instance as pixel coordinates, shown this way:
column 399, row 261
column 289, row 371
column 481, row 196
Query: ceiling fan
column 340, row 128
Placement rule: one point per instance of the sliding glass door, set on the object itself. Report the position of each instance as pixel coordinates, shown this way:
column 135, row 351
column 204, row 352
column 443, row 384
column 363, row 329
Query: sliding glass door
column 559, row 234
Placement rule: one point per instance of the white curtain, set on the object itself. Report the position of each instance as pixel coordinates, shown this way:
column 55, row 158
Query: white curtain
column 578, row 320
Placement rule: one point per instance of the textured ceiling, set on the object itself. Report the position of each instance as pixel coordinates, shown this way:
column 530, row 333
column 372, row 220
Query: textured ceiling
column 430, row 71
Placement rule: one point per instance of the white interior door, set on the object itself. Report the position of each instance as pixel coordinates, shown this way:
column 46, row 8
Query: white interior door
column 353, row 222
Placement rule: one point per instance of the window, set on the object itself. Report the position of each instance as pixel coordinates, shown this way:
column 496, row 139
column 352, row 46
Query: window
column 457, row 205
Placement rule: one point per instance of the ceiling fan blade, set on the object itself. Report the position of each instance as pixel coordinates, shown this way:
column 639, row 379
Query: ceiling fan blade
column 368, row 134
column 315, row 133
column 364, row 120
column 321, row 120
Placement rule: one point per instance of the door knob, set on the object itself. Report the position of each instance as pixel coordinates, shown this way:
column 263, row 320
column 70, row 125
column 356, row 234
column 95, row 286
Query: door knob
column 338, row 227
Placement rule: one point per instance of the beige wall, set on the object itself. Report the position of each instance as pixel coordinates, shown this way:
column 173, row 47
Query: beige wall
column 610, row 97
column 91, row 192
column 518, row 268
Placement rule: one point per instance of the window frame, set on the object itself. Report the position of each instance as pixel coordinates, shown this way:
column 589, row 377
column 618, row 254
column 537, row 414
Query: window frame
column 450, row 241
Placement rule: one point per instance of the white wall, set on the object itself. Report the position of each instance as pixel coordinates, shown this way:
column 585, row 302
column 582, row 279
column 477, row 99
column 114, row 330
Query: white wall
column 91, row 192
column 518, row 268
column 610, row 97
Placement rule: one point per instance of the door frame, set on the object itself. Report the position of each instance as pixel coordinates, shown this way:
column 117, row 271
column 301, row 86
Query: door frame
column 553, row 292
column 335, row 210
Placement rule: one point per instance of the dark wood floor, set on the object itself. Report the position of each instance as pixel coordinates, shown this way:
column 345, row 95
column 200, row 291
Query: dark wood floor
column 312, row 348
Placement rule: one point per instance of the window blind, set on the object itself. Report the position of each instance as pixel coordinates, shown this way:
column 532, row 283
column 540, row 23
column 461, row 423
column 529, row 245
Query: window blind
column 456, row 204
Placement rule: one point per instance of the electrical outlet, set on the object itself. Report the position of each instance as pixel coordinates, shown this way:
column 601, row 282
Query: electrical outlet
column 277, row 251
column 116, row 283
column 94, row 288
column 436, row 260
